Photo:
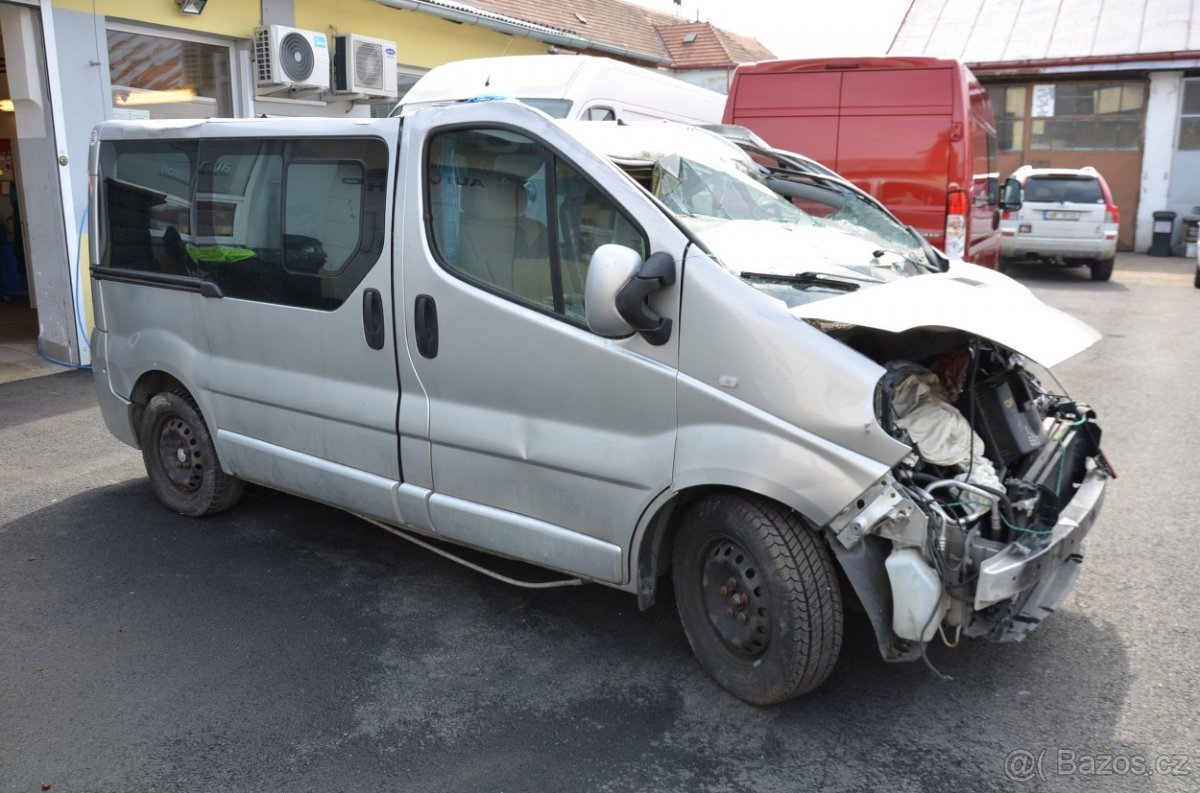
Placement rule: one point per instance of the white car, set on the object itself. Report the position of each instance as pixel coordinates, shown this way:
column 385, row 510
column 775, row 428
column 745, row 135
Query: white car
column 1067, row 215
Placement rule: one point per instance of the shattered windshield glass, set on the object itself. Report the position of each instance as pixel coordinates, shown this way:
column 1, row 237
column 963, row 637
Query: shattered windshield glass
column 788, row 227
column 822, row 238
column 692, row 189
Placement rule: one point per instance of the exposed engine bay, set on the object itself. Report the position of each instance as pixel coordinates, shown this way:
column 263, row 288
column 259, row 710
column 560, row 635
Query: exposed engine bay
column 979, row 529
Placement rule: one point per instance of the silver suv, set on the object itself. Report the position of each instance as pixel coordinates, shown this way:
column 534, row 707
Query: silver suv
column 1067, row 215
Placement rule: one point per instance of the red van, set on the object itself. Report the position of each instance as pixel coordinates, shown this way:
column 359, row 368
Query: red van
column 916, row 133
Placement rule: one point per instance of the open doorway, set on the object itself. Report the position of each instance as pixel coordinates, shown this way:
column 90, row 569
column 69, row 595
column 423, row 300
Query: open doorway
column 18, row 307
column 34, row 273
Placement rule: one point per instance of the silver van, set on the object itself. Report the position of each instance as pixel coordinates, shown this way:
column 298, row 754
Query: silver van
column 619, row 352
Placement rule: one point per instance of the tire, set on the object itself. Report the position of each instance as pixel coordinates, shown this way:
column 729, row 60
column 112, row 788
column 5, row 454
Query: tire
column 181, row 459
column 1196, row 280
column 783, row 582
column 1102, row 269
column 1005, row 264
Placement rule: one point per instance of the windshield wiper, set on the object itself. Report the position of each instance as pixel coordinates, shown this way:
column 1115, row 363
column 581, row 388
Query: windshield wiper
column 937, row 262
column 841, row 283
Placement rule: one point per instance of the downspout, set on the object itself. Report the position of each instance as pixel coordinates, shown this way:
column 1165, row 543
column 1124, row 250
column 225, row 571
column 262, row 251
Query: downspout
column 515, row 27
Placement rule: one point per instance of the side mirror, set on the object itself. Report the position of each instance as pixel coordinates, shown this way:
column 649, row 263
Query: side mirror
column 618, row 289
column 611, row 267
column 1010, row 197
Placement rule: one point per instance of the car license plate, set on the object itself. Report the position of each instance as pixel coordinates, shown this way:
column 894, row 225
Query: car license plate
column 1058, row 214
column 1026, row 228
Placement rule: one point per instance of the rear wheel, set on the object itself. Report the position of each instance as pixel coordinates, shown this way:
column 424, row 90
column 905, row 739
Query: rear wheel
column 181, row 459
column 1102, row 269
column 1005, row 264
column 758, row 597
column 1196, row 281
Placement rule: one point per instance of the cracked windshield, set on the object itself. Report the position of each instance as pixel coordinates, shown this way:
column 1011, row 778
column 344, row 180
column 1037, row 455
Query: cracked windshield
column 826, row 240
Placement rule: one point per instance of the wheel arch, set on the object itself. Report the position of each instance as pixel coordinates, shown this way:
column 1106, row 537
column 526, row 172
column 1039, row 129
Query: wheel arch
column 652, row 545
column 148, row 384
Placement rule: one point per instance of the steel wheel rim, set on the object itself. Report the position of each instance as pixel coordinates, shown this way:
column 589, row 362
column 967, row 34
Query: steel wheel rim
column 179, row 454
column 734, row 596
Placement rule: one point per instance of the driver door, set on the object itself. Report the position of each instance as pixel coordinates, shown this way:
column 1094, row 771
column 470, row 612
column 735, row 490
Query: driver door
column 545, row 441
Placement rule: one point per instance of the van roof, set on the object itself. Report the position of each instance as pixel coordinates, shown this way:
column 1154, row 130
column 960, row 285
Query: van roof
column 648, row 142
column 528, row 75
column 842, row 64
column 574, row 81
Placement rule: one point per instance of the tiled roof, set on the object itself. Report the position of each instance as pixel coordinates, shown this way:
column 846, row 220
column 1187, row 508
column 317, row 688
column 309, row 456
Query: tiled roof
column 697, row 45
column 992, row 31
column 633, row 27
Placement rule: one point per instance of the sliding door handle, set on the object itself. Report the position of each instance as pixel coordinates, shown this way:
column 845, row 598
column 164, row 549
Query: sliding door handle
column 425, row 325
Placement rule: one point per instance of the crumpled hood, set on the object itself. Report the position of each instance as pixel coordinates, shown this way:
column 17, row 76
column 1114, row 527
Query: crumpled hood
column 787, row 249
column 968, row 298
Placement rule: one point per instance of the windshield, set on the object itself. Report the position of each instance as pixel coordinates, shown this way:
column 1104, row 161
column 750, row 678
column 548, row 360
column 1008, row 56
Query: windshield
column 789, row 227
column 555, row 108
column 693, row 189
column 856, row 243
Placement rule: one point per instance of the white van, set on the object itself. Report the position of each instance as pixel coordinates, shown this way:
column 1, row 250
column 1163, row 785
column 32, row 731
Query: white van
column 570, row 86
column 619, row 352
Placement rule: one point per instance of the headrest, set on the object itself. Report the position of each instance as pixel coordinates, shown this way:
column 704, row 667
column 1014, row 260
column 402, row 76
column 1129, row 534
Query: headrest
column 521, row 165
column 487, row 195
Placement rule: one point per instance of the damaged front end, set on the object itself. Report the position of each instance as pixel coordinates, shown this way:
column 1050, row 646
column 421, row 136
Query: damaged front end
column 979, row 530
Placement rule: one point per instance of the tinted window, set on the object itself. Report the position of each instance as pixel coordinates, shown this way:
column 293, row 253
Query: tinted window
column 297, row 222
column 147, row 192
column 1058, row 188
column 498, row 220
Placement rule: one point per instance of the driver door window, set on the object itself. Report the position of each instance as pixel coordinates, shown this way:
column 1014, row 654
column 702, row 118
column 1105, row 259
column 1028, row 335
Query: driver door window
column 498, row 221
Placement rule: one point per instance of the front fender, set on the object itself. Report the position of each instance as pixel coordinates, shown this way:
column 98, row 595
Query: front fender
column 816, row 482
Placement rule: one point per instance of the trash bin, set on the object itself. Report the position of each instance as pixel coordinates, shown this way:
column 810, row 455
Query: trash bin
column 1164, row 225
column 1191, row 234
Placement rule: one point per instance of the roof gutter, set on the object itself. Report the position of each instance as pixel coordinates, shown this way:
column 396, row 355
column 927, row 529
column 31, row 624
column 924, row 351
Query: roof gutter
column 1090, row 63
column 516, row 27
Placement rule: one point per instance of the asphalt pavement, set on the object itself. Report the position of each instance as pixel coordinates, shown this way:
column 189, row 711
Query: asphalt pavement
column 286, row 646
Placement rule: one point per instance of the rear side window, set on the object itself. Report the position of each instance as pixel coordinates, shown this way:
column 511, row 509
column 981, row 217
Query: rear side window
column 1085, row 190
column 147, row 190
column 295, row 222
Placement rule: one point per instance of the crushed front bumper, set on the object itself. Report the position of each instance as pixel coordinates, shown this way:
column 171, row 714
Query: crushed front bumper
column 1019, row 586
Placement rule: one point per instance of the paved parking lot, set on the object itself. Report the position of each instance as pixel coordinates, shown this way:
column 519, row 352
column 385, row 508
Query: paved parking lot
column 284, row 646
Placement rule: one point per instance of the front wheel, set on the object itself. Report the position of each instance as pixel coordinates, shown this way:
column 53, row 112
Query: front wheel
column 758, row 597
column 181, row 459
column 1196, row 280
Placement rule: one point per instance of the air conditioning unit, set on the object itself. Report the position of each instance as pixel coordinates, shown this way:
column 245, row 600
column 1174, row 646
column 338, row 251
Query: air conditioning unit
column 292, row 59
column 363, row 65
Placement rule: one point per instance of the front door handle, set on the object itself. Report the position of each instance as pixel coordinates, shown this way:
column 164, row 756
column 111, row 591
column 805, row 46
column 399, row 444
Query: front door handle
column 373, row 325
column 425, row 325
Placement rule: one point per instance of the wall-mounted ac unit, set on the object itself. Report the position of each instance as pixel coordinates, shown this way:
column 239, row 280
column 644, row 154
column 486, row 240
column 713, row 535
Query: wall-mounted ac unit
column 289, row 58
column 363, row 65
